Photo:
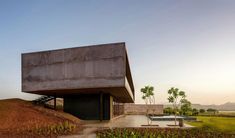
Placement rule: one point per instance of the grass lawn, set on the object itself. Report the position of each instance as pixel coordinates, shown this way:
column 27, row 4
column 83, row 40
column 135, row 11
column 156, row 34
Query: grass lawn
column 222, row 124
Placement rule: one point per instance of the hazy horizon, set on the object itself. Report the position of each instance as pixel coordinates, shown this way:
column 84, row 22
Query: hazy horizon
column 185, row 44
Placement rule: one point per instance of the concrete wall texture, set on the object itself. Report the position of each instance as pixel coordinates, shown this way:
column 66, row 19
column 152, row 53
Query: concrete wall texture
column 89, row 69
column 130, row 108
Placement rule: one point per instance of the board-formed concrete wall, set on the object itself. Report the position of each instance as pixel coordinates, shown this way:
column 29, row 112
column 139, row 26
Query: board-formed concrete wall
column 130, row 108
column 87, row 67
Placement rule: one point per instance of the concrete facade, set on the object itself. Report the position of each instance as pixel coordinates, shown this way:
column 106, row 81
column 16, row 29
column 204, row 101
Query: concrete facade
column 92, row 75
column 89, row 69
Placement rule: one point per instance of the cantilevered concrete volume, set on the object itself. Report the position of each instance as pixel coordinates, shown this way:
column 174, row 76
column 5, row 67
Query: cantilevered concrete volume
column 89, row 78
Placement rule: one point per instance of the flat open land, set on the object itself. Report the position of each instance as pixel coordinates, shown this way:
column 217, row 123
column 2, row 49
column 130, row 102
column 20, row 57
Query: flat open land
column 227, row 113
column 222, row 124
column 19, row 117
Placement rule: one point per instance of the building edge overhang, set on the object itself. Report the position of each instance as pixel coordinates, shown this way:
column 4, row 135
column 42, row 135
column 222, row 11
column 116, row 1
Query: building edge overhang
column 128, row 76
column 120, row 94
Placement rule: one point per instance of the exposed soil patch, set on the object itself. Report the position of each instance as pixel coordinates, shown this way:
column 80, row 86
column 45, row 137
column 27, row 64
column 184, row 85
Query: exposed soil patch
column 19, row 117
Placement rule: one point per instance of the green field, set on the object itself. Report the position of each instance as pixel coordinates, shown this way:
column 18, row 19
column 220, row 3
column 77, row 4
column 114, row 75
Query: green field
column 220, row 113
column 222, row 124
column 228, row 113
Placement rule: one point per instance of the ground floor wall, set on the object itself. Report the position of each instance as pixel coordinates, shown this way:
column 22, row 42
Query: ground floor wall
column 103, row 107
column 89, row 106
column 118, row 109
column 130, row 108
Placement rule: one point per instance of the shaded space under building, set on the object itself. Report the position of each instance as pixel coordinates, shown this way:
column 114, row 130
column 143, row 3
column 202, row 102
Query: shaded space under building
column 90, row 79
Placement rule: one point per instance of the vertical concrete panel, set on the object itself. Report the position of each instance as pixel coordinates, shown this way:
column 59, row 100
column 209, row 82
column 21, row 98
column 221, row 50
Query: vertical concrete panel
column 111, row 107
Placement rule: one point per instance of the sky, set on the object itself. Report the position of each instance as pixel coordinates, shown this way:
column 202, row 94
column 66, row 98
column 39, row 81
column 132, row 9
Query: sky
column 188, row 44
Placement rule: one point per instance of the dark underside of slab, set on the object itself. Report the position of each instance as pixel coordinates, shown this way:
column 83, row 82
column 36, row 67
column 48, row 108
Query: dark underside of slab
column 89, row 106
column 120, row 94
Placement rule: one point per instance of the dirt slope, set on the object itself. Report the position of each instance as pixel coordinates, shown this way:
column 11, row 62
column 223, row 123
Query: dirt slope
column 17, row 114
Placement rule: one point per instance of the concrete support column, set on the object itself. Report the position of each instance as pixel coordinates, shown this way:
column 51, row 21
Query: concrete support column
column 111, row 107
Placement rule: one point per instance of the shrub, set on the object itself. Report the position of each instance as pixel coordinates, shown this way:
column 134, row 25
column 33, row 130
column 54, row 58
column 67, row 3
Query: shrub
column 205, row 132
column 54, row 129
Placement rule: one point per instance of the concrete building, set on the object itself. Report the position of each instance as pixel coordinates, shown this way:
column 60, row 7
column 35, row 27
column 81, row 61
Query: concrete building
column 90, row 78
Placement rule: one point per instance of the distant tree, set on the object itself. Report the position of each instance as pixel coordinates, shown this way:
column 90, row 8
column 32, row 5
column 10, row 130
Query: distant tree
column 195, row 111
column 185, row 108
column 175, row 95
column 168, row 110
column 212, row 110
column 202, row 110
column 148, row 97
